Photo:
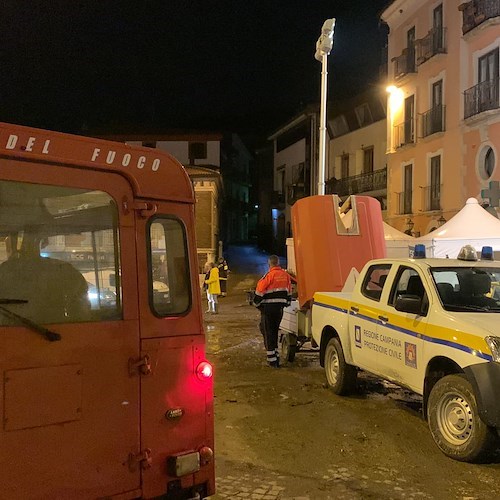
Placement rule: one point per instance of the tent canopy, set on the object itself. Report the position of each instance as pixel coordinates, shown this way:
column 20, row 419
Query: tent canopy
column 473, row 225
column 397, row 244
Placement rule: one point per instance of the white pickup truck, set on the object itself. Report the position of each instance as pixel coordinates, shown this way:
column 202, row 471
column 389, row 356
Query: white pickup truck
column 430, row 325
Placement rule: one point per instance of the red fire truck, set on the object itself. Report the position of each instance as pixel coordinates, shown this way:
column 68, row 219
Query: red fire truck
column 105, row 389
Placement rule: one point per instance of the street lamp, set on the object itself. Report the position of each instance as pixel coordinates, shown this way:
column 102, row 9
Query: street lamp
column 323, row 48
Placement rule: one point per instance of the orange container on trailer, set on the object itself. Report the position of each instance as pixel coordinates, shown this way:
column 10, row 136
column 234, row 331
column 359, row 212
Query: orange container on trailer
column 330, row 240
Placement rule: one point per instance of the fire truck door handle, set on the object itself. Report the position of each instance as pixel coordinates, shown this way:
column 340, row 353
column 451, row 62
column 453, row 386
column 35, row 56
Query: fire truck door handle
column 385, row 319
column 355, row 309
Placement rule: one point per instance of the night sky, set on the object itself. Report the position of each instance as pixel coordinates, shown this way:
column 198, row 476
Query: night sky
column 241, row 65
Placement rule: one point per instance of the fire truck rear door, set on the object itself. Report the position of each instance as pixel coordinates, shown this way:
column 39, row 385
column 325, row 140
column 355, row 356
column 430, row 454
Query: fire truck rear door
column 70, row 407
column 176, row 407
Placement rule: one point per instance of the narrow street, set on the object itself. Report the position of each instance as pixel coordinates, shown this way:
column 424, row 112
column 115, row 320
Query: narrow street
column 280, row 434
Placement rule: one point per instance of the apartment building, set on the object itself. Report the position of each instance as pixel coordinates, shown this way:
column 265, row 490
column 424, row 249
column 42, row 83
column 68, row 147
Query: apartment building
column 443, row 116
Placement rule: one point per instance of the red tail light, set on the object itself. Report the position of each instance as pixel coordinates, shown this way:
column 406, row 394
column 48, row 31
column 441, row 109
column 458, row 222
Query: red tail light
column 204, row 370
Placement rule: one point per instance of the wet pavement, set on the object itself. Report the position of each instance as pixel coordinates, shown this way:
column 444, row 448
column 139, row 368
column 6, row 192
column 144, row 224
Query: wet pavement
column 282, row 435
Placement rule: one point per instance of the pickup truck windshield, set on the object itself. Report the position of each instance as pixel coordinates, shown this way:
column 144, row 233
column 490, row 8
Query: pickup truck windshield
column 466, row 289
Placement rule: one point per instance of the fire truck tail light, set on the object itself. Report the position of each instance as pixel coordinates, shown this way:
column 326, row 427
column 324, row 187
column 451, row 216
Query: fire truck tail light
column 206, row 455
column 204, row 370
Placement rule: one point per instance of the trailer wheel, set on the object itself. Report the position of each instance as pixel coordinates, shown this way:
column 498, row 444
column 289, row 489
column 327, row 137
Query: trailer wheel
column 454, row 421
column 340, row 376
column 288, row 347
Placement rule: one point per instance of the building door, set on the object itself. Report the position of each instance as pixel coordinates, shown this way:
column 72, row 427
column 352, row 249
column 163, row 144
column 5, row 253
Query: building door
column 488, row 81
column 435, row 191
column 408, row 187
column 345, row 166
column 437, row 32
column 368, row 160
column 437, row 107
column 410, row 50
column 409, row 125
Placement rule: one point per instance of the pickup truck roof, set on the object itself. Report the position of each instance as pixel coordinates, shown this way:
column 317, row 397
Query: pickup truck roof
column 426, row 263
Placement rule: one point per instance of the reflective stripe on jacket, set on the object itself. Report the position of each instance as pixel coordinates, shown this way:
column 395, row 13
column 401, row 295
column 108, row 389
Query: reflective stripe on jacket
column 274, row 288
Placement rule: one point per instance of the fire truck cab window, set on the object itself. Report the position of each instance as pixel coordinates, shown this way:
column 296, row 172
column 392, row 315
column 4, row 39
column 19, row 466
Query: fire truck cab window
column 170, row 293
column 59, row 254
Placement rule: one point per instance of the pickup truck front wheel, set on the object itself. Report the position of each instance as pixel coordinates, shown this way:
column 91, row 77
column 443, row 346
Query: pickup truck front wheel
column 454, row 420
column 340, row 376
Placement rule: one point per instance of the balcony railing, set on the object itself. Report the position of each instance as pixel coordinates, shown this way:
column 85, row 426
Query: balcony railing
column 363, row 183
column 481, row 97
column 404, row 133
column 404, row 202
column 405, row 63
column 433, row 43
column 477, row 12
column 431, row 197
column 433, row 121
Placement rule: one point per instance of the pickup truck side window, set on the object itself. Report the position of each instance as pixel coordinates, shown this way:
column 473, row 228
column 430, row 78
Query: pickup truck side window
column 374, row 281
column 409, row 283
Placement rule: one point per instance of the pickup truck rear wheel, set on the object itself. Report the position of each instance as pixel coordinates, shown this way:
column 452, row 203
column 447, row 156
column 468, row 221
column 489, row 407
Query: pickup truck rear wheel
column 288, row 347
column 454, row 420
column 340, row 376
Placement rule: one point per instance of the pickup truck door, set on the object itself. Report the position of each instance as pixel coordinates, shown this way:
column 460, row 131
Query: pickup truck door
column 364, row 319
column 401, row 333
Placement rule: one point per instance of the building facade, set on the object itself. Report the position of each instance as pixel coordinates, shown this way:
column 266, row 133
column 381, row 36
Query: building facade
column 443, row 118
column 200, row 153
column 357, row 161
column 239, row 216
column 295, row 170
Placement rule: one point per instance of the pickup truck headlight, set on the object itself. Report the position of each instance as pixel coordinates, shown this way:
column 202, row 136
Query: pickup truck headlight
column 494, row 345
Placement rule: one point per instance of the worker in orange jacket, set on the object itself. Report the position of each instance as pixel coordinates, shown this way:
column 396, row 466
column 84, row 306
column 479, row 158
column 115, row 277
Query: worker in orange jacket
column 273, row 293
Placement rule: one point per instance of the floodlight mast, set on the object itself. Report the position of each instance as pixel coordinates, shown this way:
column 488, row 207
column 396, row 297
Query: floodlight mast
column 323, row 48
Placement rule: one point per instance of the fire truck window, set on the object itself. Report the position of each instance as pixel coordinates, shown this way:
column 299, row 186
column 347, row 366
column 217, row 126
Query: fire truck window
column 169, row 275
column 59, row 253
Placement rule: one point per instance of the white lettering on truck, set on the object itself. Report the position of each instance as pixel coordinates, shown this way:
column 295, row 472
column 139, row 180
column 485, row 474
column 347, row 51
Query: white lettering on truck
column 13, row 139
column 125, row 160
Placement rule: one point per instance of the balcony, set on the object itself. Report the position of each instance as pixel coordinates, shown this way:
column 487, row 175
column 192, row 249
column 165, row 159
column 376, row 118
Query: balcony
column 431, row 197
column 481, row 97
column 433, row 121
column 433, row 43
column 404, row 202
column 405, row 63
column 404, row 133
column 477, row 12
column 362, row 183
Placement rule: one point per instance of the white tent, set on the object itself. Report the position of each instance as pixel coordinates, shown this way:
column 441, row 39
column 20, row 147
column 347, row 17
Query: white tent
column 397, row 244
column 473, row 225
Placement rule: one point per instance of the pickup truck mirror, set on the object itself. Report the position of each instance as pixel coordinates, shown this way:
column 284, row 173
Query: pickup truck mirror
column 409, row 303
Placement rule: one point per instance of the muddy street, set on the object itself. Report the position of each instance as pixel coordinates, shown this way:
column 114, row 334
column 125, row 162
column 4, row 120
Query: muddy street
column 280, row 434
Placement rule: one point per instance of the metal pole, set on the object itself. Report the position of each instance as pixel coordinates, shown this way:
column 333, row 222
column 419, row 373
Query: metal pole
column 322, row 126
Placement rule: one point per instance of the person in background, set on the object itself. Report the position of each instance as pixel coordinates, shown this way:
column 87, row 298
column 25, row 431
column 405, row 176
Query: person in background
column 272, row 294
column 223, row 274
column 213, row 286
